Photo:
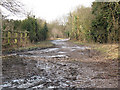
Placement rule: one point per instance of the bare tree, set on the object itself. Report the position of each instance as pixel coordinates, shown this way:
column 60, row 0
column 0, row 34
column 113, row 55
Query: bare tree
column 13, row 6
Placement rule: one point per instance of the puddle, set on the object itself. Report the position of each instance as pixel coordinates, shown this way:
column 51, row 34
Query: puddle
column 14, row 54
column 25, row 83
column 49, row 50
column 57, row 56
column 75, row 48
column 81, row 48
column 72, row 50
column 62, row 52
column 45, row 56
column 60, row 42
column 42, row 51
column 39, row 86
column 6, row 84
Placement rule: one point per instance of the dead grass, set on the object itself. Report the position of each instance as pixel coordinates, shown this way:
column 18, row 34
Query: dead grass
column 109, row 51
column 42, row 44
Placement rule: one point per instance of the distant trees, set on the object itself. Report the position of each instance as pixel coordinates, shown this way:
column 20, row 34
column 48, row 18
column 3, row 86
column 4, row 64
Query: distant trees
column 56, row 30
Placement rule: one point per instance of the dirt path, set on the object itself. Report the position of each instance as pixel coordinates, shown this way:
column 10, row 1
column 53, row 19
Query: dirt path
column 65, row 65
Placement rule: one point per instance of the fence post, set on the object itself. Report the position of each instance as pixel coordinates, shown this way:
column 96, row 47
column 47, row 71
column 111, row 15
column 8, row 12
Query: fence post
column 9, row 35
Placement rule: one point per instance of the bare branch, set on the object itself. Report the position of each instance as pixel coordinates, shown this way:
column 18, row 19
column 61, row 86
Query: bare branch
column 13, row 6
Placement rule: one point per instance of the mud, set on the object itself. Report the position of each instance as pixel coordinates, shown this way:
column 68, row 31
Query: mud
column 65, row 66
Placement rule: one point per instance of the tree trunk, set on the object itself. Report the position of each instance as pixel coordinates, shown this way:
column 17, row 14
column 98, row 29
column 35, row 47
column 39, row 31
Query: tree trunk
column 0, row 48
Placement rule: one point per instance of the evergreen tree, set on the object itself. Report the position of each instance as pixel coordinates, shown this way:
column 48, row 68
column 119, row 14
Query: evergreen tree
column 36, row 31
column 105, row 26
column 45, row 31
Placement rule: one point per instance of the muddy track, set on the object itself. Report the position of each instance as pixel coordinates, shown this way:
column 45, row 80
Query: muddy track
column 65, row 66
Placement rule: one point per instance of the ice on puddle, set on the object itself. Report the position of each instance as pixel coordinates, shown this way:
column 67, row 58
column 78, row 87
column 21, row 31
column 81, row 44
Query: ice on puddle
column 39, row 86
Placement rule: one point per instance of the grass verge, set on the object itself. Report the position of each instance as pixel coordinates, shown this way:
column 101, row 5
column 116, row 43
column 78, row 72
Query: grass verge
column 109, row 51
column 39, row 45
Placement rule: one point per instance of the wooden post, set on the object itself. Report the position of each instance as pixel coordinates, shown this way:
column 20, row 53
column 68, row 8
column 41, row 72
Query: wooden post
column 9, row 35
column 15, row 39
column 21, row 39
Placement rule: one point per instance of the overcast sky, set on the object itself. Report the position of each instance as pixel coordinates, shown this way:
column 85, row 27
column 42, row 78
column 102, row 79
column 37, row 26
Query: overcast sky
column 53, row 9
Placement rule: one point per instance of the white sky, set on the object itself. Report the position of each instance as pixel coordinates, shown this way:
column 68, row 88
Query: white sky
column 53, row 9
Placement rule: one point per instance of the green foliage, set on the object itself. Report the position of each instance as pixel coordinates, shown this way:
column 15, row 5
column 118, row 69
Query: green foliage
column 16, row 24
column 37, row 30
column 45, row 30
column 29, row 25
column 105, row 26
column 101, row 23
column 43, row 33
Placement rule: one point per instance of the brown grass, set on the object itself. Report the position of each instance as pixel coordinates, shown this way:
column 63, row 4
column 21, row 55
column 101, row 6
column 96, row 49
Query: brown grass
column 109, row 51
column 42, row 44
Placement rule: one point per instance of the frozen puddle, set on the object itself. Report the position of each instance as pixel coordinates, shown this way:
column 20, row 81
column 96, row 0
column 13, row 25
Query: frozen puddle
column 60, row 42
column 52, row 52
column 26, row 83
column 44, row 56
column 6, row 84
column 57, row 56
column 75, row 48
column 43, row 51
column 39, row 86
column 62, row 52
column 49, row 50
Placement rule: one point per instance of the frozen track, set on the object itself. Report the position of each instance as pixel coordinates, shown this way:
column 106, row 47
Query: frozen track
column 66, row 65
